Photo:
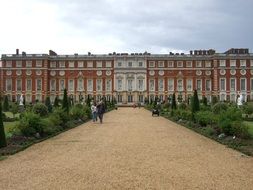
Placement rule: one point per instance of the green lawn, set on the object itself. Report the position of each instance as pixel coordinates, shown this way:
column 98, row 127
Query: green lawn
column 250, row 124
column 8, row 126
column 10, row 115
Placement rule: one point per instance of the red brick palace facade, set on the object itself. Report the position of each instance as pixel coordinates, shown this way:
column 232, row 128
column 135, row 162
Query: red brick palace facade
column 130, row 78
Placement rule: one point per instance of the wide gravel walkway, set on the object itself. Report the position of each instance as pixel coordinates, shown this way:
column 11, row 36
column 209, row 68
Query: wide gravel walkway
column 130, row 150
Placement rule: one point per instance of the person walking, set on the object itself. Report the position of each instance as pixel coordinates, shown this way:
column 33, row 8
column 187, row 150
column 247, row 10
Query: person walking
column 94, row 112
column 100, row 111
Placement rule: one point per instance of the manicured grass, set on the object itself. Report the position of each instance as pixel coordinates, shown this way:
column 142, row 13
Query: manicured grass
column 10, row 115
column 8, row 126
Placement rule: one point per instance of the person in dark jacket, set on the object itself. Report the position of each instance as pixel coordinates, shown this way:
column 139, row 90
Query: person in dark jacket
column 100, row 111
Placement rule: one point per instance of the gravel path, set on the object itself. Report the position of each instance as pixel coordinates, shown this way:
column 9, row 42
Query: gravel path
column 130, row 150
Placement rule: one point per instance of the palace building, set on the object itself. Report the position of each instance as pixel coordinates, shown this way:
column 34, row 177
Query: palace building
column 130, row 78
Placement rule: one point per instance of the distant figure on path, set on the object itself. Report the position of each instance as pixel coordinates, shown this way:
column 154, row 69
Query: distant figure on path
column 94, row 111
column 100, row 111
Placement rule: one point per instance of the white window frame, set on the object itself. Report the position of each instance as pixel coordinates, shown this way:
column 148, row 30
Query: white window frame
column 80, row 84
column 62, row 64
column 198, row 64
column 60, row 85
column 160, row 63
column 171, row 64
column 151, row 64
column 99, row 83
column 119, row 84
column 89, row 64
column 140, row 84
column 19, row 79
column 160, row 82
column 38, row 79
column 130, row 64
column 208, row 64
column 26, row 85
column 243, row 63
column 231, row 84
column 80, row 64
column 108, row 64
column 180, row 63
column 8, row 63
column 180, row 88
column 108, row 85
column 130, row 85
column 244, row 84
column 171, row 87
column 53, row 64
column 71, row 64
column 153, row 82
column 71, row 88
column 210, row 85
column 38, row 63
column 140, row 63
column 189, row 84
column 221, row 79
column 8, row 80
column 90, row 85
column 99, row 64
column 188, row 63
column 222, row 63
column 201, row 85
column 28, row 64
column 18, row 64
column 51, row 85
column 232, row 63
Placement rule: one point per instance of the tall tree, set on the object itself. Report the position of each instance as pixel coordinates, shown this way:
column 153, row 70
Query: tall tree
column 65, row 103
column 195, row 103
column 48, row 104
column 6, row 104
column 204, row 101
column 56, row 102
column 173, row 102
column 3, row 142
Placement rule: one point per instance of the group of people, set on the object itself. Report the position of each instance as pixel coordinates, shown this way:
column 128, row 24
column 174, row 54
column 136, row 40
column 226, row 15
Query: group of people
column 98, row 110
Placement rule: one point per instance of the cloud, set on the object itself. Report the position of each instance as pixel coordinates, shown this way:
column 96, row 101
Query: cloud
column 103, row 26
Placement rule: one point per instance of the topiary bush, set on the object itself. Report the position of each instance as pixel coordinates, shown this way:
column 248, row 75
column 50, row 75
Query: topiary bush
column 62, row 114
column 87, row 112
column 29, row 124
column 182, row 106
column 248, row 108
column 48, row 127
column 219, row 107
column 77, row 112
column 40, row 109
column 203, row 118
column 240, row 129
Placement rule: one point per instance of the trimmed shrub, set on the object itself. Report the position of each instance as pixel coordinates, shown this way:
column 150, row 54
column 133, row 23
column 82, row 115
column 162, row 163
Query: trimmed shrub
column 65, row 102
column 77, row 113
column 182, row 106
column 214, row 100
column 248, row 108
column 14, row 109
column 64, row 116
column 173, row 102
column 48, row 127
column 49, row 105
column 6, row 104
column 204, row 118
column 204, row 101
column 195, row 102
column 3, row 142
column 219, row 107
column 40, row 109
column 240, row 129
column 29, row 124
column 56, row 119
column 87, row 112
column 56, row 102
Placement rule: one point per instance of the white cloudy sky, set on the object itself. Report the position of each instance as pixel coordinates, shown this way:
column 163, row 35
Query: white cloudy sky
column 103, row 26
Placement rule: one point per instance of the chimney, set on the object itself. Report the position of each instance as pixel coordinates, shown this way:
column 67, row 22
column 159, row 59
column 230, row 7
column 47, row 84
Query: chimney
column 191, row 52
column 17, row 51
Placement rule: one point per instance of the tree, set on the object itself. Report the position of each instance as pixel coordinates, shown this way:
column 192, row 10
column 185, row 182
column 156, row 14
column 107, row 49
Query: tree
column 3, row 142
column 195, row 103
column 56, row 102
column 14, row 109
column 65, row 103
column 88, row 100
column 6, row 104
column 173, row 102
column 48, row 104
column 204, row 101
